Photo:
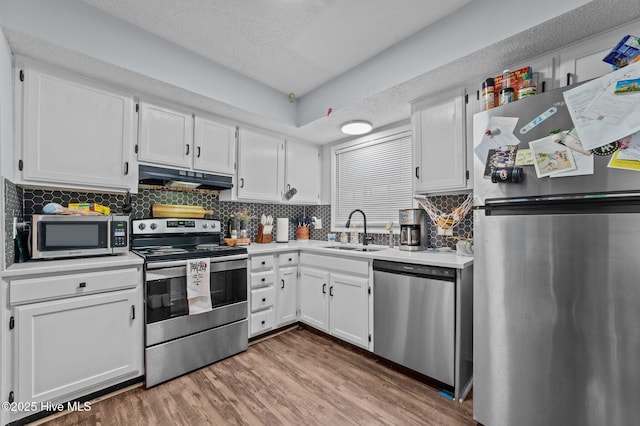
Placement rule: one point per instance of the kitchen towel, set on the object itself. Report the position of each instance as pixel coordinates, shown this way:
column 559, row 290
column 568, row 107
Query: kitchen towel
column 198, row 286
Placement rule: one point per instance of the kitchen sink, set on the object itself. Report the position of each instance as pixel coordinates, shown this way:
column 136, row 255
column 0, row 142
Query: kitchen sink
column 357, row 248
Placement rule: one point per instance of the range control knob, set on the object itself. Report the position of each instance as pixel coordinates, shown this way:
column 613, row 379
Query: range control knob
column 205, row 225
column 142, row 226
column 154, row 226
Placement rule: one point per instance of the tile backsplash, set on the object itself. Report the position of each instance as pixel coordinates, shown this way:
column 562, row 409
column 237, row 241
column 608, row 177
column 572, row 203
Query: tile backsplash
column 24, row 202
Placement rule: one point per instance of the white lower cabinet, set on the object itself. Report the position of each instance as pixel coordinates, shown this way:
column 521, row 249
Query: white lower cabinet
column 348, row 304
column 334, row 296
column 65, row 346
column 286, row 306
column 71, row 334
column 314, row 297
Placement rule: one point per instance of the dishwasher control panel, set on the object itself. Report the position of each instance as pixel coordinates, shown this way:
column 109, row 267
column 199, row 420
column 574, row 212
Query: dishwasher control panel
column 437, row 272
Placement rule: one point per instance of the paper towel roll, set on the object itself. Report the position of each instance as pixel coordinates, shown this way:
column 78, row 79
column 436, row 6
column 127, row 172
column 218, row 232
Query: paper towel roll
column 282, row 230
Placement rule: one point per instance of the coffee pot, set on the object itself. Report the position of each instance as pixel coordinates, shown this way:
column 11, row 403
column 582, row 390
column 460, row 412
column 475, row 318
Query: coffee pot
column 414, row 231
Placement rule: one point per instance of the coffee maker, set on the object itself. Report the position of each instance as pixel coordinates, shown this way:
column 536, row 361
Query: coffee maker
column 414, row 231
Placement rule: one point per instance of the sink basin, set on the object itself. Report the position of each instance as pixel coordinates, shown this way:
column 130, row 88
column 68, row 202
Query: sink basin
column 357, row 248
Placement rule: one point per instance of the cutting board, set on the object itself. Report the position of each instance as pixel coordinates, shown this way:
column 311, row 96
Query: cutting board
column 176, row 210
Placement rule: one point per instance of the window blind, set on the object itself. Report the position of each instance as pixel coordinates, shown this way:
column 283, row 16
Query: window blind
column 374, row 176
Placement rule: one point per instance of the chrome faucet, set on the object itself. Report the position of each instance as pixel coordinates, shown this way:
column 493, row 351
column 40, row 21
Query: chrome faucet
column 366, row 239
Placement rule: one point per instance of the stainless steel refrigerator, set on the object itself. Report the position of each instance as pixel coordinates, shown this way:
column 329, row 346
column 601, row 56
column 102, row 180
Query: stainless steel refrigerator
column 556, row 288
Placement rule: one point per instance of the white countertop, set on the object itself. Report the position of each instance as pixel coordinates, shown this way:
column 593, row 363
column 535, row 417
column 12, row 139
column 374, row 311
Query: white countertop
column 447, row 259
column 72, row 265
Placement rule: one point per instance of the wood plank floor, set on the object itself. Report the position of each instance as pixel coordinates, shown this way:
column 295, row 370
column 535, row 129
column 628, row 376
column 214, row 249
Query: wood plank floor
column 295, row 378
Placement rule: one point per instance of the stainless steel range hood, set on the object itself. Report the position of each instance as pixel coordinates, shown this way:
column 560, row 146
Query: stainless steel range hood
column 152, row 175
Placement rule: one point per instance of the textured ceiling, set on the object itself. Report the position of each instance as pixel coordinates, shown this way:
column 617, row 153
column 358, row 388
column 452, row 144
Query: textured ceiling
column 381, row 104
column 289, row 45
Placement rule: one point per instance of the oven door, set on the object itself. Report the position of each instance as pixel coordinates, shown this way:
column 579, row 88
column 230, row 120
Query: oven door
column 167, row 309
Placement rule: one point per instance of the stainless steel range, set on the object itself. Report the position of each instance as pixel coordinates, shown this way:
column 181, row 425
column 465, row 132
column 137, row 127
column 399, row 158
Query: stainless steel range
column 176, row 342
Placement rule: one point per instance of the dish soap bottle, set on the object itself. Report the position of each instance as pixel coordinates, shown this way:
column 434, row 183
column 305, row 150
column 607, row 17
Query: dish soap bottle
column 527, row 87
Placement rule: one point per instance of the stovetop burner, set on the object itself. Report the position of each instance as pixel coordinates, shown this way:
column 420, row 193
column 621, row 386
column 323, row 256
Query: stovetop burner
column 194, row 252
column 177, row 239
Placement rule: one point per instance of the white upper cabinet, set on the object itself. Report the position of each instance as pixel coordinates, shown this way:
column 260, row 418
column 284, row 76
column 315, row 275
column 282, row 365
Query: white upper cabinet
column 303, row 172
column 215, row 146
column 76, row 133
column 166, row 136
column 439, row 130
column 583, row 61
column 260, row 166
column 175, row 138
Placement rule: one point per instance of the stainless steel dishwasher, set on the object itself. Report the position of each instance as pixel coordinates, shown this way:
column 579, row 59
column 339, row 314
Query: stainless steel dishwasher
column 414, row 317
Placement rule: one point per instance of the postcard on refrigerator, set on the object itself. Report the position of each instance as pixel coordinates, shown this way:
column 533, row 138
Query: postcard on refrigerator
column 551, row 157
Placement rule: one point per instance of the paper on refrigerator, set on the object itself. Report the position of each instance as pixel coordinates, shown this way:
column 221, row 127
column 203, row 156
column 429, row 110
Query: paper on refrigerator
column 501, row 134
column 599, row 115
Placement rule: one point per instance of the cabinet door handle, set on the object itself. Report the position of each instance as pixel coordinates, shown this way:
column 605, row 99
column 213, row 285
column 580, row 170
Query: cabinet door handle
column 82, row 285
column 417, row 172
column 241, row 182
column 126, row 168
column 188, row 149
column 331, row 291
column 282, row 283
column 324, row 288
column 133, row 312
column 568, row 79
column 198, row 152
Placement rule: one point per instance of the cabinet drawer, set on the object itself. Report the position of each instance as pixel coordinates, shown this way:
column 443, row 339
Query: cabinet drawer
column 262, row 262
column 28, row 290
column 262, row 298
column 262, row 321
column 288, row 259
column 261, row 279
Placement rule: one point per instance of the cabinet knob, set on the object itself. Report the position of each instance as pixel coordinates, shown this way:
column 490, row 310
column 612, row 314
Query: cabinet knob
column 263, row 279
column 82, row 285
column 264, row 263
column 262, row 322
column 264, row 299
column 290, row 260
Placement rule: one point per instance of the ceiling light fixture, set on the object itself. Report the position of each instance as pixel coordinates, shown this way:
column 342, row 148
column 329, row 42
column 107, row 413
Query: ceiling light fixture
column 356, row 127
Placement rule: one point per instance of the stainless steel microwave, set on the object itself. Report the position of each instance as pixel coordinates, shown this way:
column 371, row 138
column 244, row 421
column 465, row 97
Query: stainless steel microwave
column 60, row 236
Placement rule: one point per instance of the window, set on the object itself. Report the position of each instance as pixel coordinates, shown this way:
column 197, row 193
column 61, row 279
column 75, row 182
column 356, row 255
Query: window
column 372, row 174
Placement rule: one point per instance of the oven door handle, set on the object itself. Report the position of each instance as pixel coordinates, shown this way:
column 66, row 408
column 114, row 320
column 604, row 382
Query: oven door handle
column 183, row 262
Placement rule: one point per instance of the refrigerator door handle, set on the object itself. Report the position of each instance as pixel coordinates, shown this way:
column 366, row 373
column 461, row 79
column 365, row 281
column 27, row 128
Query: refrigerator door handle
column 615, row 202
